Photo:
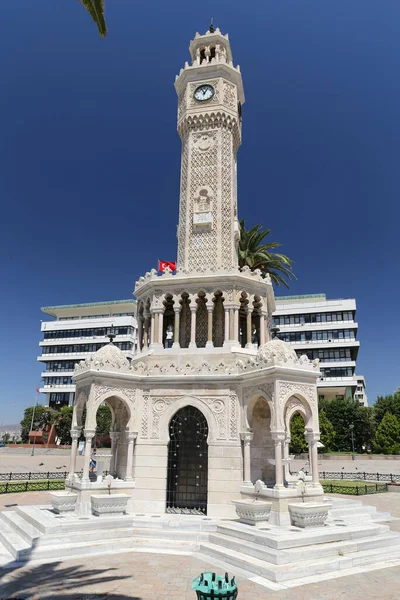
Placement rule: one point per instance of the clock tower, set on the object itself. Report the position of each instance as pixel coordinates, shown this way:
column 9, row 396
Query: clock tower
column 210, row 97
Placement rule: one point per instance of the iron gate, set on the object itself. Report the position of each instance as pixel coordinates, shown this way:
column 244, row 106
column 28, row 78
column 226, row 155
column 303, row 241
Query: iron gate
column 187, row 462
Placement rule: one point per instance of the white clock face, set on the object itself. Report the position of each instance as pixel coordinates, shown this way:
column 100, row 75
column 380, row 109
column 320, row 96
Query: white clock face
column 204, row 92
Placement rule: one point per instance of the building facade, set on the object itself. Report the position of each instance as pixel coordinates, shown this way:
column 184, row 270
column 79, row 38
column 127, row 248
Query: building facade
column 78, row 331
column 325, row 330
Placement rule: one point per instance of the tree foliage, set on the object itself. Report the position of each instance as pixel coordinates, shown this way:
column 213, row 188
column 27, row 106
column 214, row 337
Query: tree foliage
column 385, row 404
column 327, row 430
column 257, row 255
column 387, row 437
column 96, row 10
column 103, row 419
column 298, row 443
column 43, row 416
column 343, row 412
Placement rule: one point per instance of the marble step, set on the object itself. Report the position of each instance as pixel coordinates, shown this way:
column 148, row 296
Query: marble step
column 291, row 555
column 295, row 538
column 49, row 523
column 286, row 572
column 27, row 531
column 118, row 545
column 13, row 542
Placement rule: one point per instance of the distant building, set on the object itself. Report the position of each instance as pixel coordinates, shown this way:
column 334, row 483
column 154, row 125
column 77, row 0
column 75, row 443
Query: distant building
column 327, row 330
column 78, row 331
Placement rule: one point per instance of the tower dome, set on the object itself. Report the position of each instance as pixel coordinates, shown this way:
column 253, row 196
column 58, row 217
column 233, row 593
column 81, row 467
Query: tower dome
column 111, row 355
column 276, row 351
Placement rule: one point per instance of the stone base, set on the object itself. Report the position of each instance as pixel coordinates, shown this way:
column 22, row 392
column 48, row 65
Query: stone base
column 352, row 537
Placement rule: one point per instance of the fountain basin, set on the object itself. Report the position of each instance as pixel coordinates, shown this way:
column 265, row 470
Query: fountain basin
column 307, row 514
column 63, row 501
column 252, row 512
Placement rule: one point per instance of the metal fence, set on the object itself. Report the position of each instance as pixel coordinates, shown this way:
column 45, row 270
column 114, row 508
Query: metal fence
column 37, row 476
column 358, row 476
column 359, row 490
column 30, row 486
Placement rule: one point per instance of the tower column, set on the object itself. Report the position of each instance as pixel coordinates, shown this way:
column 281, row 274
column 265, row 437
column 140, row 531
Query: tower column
column 177, row 311
column 249, row 344
column 262, row 329
column 140, row 332
column 210, row 309
column 312, row 439
column 131, row 435
column 226, row 325
column 75, row 433
column 89, row 434
column 247, row 437
column 146, row 330
column 114, row 435
column 278, row 438
column 193, row 310
column 236, row 324
column 152, row 328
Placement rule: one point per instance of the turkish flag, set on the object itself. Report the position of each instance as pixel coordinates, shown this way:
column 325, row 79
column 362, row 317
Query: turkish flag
column 163, row 264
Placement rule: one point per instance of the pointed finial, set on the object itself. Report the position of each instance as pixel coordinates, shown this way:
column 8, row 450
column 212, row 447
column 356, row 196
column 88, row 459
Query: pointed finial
column 111, row 335
column 212, row 28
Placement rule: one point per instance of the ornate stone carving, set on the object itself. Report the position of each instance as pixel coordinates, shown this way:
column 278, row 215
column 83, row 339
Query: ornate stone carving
column 145, row 416
column 233, row 425
column 289, row 388
column 100, row 390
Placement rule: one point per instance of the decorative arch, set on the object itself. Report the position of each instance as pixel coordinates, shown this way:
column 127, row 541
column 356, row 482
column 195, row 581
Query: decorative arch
column 82, row 399
column 119, row 395
column 173, row 408
column 296, row 402
column 256, row 394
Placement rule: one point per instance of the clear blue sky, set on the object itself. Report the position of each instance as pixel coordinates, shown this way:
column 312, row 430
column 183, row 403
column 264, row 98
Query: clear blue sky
column 89, row 156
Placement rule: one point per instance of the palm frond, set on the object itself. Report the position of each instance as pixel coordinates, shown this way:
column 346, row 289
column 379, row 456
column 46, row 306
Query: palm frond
column 96, row 10
column 257, row 255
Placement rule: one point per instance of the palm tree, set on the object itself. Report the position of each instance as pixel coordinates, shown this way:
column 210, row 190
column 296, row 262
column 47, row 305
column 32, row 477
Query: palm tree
column 254, row 254
column 96, row 10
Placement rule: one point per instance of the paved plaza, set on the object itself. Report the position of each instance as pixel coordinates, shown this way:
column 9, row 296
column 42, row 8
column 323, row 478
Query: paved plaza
column 148, row 576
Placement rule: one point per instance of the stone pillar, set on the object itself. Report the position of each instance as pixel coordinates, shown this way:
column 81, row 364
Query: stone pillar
column 89, row 435
column 75, row 433
column 312, row 439
column 226, row 326
column 131, row 435
column 161, row 327
column 262, row 329
column 146, row 330
column 247, row 437
column 193, row 310
column 140, row 333
column 236, row 324
column 249, row 344
column 152, row 329
column 278, row 438
column 210, row 309
column 286, row 469
column 177, row 311
column 114, row 435
column 232, row 324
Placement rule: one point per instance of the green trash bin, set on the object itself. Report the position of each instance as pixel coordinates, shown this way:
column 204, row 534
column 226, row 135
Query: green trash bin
column 209, row 586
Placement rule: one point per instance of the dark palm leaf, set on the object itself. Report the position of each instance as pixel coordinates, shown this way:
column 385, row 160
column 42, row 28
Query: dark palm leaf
column 256, row 255
column 96, row 10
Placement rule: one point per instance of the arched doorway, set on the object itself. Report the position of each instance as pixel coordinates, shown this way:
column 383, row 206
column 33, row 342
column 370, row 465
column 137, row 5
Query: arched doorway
column 262, row 445
column 187, row 462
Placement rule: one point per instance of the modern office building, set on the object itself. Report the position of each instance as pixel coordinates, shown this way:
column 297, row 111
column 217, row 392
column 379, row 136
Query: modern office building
column 327, row 330
column 77, row 331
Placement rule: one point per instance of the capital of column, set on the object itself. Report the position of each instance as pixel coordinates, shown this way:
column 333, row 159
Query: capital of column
column 313, row 437
column 177, row 309
column 246, row 436
column 158, row 310
column 114, row 435
column 75, row 433
column 278, row 436
column 89, row 433
column 131, row 435
column 210, row 307
column 193, row 308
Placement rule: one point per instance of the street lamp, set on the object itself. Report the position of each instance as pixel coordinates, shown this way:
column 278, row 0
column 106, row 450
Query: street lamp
column 351, row 427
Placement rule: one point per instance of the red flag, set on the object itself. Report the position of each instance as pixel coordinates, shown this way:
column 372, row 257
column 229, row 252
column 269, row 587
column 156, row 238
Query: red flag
column 37, row 390
column 163, row 264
